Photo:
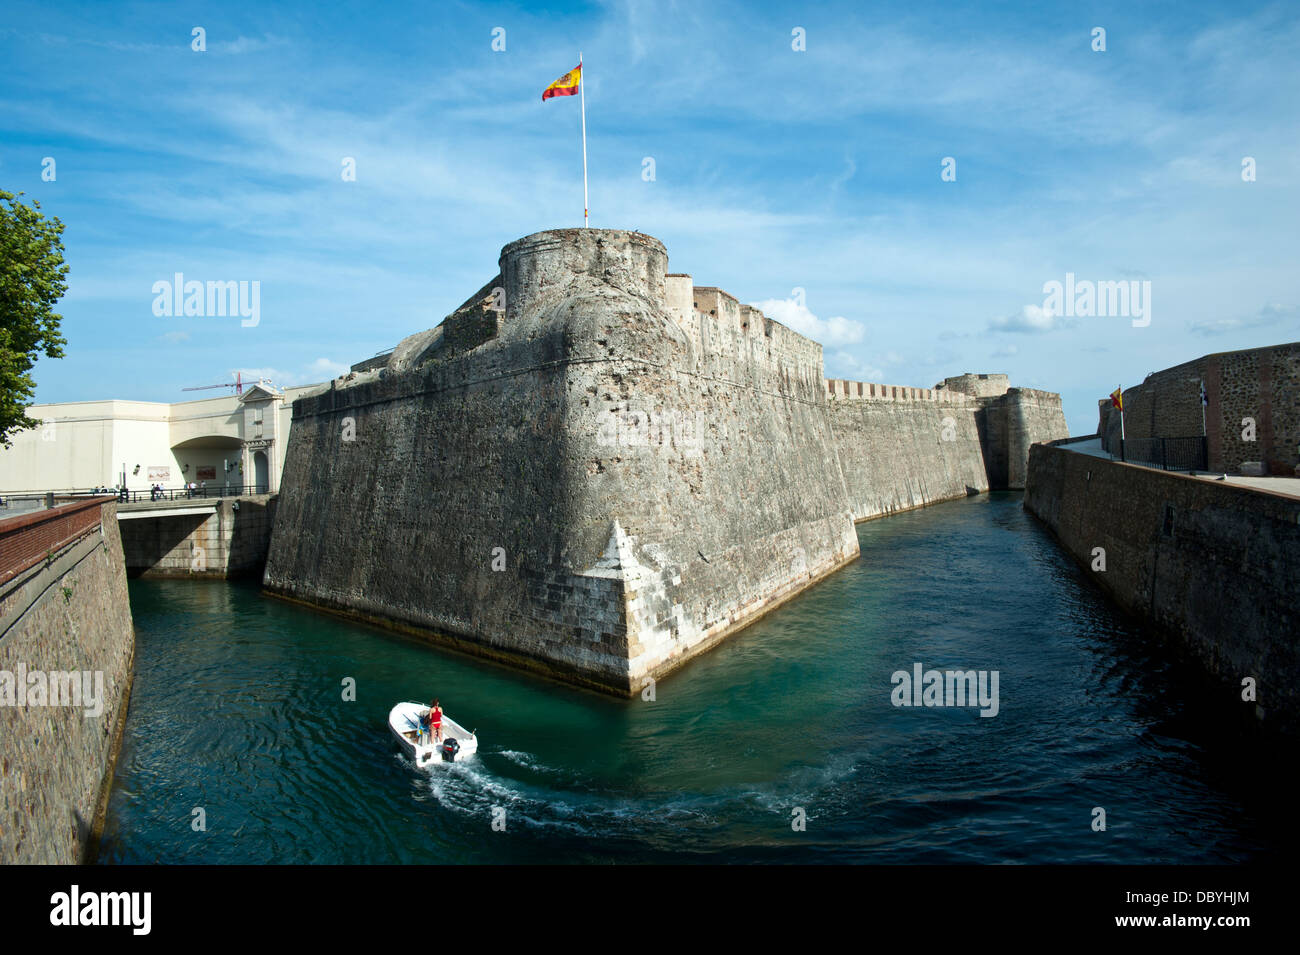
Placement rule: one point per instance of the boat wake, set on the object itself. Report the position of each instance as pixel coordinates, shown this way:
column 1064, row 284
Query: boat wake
column 556, row 799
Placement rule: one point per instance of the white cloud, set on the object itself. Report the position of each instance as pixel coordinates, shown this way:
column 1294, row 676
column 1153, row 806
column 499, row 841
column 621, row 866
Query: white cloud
column 246, row 44
column 175, row 338
column 850, row 167
column 319, row 371
column 1268, row 315
column 1030, row 319
column 842, row 364
column 836, row 330
column 325, row 369
column 1005, row 352
column 1216, row 326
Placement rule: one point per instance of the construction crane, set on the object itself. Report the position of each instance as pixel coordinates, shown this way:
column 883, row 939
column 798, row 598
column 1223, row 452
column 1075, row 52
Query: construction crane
column 237, row 384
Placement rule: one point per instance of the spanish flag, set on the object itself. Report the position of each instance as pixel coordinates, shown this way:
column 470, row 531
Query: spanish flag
column 1117, row 399
column 566, row 85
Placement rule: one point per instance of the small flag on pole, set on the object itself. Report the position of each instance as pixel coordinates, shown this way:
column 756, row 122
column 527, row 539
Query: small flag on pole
column 566, row 85
column 1117, row 401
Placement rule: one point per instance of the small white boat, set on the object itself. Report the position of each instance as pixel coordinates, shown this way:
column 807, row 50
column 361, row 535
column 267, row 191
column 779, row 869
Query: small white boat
column 457, row 742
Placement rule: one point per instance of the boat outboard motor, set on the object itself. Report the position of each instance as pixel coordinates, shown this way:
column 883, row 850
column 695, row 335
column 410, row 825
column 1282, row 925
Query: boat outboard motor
column 450, row 747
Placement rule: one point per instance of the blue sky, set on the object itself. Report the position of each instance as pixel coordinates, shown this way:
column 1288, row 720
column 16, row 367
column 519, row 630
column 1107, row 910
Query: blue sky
column 775, row 169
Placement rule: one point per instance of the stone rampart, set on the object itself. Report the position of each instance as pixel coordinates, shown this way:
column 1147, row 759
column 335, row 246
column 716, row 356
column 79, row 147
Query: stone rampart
column 66, row 650
column 599, row 491
column 1213, row 564
column 596, row 469
column 902, row 448
column 1251, row 416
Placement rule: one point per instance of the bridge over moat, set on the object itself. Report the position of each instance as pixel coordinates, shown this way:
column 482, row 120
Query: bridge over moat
column 178, row 534
column 197, row 536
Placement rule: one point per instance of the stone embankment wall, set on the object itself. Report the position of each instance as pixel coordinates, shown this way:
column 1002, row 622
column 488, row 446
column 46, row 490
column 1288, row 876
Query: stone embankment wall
column 1018, row 420
column 227, row 540
column 1262, row 384
column 63, row 611
column 606, row 479
column 904, row 452
column 902, row 448
column 1214, row 564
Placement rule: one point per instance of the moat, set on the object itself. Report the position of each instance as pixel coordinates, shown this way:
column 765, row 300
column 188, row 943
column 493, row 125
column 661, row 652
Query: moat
column 238, row 709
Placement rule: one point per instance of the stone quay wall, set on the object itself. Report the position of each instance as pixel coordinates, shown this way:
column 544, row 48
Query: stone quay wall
column 1016, row 421
column 64, row 615
column 623, row 471
column 1262, row 384
column 903, row 453
column 1215, row 565
column 228, row 540
column 902, row 448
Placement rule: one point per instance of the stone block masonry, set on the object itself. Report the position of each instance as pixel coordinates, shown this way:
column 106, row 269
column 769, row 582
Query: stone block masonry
column 903, row 448
column 902, row 453
column 66, row 613
column 1260, row 384
column 602, row 479
column 1215, row 565
column 600, row 489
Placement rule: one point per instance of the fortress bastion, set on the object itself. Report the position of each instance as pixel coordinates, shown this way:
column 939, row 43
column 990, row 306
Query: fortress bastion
column 598, row 481
column 596, row 470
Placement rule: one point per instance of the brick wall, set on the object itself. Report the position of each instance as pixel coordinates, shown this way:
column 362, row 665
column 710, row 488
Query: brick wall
column 25, row 540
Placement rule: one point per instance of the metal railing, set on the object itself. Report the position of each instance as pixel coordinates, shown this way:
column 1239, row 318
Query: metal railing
column 189, row 494
column 27, row 500
column 1171, row 454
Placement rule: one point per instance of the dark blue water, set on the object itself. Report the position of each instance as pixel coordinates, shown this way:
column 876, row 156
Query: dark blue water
column 238, row 710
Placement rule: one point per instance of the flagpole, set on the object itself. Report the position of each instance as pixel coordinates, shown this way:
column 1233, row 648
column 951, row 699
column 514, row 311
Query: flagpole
column 1122, row 455
column 582, row 96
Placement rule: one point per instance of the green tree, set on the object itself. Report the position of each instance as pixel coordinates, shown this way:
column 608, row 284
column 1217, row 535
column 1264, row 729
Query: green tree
column 31, row 284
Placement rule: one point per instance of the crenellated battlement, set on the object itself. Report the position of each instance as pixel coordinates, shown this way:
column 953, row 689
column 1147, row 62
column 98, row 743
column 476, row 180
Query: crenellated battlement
column 842, row 388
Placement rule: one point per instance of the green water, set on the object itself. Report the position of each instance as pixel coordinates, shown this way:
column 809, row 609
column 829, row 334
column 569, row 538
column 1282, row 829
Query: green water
column 238, row 710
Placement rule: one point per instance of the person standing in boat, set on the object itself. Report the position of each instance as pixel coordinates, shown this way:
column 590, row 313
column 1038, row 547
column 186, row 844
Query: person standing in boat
column 434, row 720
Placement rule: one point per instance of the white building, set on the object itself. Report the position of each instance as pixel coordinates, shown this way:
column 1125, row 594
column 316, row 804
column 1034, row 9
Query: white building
column 231, row 440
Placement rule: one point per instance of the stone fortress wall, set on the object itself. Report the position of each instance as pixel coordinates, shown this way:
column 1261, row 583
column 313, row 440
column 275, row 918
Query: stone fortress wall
column 595, row 483
column 596, row 469
column 1214, row 565
column 1258, row 383
column 968, row 434
column 64, row 614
